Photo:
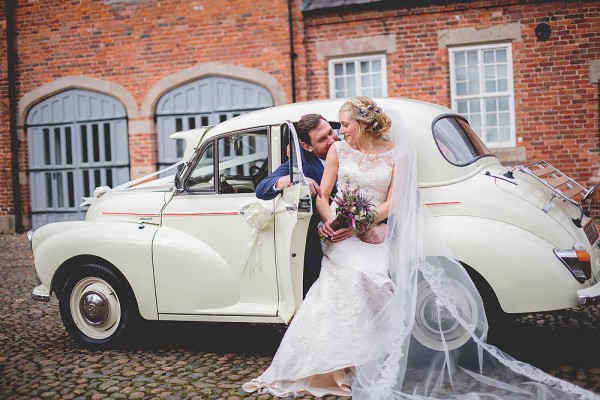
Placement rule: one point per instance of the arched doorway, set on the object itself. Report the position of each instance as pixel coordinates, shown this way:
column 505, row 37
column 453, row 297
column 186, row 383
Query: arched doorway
column 77, row 142
column 203, row 102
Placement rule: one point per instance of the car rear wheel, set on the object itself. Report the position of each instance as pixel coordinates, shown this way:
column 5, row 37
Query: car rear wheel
column 97, row 306
column 499, row 322
column 432, row 317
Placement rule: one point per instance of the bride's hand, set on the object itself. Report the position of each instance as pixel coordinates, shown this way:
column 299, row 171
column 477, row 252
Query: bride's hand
column 342, row 234
column 375, row 235
column 326, row 231
column 336, row 236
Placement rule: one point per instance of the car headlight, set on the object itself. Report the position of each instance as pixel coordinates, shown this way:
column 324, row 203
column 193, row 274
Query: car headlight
column 578, row 261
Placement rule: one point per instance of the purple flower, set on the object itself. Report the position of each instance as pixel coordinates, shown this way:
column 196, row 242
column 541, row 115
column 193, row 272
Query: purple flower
column 353, row 209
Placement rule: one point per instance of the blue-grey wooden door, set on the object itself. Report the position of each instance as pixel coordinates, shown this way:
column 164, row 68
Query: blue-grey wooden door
column 203, row 102
column 77, row 141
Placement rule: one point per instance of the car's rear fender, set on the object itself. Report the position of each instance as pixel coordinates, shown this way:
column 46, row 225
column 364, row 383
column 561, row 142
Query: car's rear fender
column 520, row 267
column 60, row 247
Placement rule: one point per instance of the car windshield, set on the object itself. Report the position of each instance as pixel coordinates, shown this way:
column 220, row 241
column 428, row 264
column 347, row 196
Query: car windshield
column 457, row 142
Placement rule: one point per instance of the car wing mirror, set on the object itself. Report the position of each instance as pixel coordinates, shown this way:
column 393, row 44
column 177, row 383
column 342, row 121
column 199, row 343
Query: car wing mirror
column 178, row 184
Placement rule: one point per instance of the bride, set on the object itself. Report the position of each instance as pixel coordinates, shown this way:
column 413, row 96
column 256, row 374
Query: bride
column 352, row 334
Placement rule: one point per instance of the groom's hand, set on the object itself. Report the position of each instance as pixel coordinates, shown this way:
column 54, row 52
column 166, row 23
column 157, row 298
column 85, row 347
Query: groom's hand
column 284, row 182
column 314, row 187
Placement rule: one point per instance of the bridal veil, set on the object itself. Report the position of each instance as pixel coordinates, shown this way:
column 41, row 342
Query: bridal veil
column 430, row 340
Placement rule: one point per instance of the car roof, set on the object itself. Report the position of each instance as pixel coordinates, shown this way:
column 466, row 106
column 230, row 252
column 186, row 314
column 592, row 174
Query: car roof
column 327, row 108
column 409, row 117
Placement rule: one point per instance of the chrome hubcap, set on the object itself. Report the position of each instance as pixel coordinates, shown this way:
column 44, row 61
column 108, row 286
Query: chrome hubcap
column 440, row 317
column 435, row 326
column 94, row 308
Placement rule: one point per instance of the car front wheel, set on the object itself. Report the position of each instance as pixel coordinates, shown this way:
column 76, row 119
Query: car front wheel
column 96, row 306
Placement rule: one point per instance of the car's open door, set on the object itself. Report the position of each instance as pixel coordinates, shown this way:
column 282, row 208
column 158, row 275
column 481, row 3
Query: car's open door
column 210, row 263
column 293, row 210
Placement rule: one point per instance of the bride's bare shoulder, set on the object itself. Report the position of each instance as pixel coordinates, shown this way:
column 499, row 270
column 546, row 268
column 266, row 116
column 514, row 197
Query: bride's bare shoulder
column 387, row 146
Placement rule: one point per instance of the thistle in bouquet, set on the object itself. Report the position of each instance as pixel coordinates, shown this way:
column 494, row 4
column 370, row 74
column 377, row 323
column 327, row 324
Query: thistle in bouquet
column 353, row 210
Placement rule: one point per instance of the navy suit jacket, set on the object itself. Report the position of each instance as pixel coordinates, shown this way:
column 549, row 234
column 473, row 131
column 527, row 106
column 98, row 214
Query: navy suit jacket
column 311, row 165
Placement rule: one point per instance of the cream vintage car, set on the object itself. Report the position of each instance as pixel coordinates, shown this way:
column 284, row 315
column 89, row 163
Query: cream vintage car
column 176, row 247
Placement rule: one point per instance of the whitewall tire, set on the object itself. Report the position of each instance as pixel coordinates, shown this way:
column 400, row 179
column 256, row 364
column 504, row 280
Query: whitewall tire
column 431, row 317
column 96, row 306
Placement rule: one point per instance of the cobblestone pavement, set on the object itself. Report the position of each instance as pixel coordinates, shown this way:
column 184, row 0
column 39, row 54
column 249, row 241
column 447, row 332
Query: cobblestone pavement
column 209, row 361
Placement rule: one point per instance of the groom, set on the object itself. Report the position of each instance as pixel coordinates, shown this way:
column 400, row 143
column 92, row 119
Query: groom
column 316, row 137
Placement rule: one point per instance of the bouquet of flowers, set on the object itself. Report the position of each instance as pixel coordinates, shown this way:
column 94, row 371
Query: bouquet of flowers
column 353, row 210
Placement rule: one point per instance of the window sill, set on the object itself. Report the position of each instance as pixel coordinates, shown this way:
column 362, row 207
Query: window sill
column 510, row 155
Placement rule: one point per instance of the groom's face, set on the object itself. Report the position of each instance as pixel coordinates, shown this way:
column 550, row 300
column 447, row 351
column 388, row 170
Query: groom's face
column 321, row 139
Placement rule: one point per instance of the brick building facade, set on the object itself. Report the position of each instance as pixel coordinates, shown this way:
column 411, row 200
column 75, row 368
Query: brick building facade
column 136, row 54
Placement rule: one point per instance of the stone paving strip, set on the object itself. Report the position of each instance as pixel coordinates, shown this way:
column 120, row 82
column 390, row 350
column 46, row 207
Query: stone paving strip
column 38, row 360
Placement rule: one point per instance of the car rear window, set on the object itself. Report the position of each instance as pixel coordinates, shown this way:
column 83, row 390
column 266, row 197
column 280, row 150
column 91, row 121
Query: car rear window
column 457, row 142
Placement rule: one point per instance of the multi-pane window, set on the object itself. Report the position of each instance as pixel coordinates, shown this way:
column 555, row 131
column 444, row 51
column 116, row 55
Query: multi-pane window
column 365, row 76
column 207, row 101
column 482, row 91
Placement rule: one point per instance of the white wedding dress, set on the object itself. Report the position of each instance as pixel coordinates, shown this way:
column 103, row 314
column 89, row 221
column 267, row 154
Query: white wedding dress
column 353, row 334
column 326, row 338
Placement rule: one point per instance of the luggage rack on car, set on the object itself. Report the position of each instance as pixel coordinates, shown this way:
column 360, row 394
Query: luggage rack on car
column 559, row 183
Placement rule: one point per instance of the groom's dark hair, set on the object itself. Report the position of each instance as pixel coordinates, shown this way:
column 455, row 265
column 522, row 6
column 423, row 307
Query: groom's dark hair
column 307, row 123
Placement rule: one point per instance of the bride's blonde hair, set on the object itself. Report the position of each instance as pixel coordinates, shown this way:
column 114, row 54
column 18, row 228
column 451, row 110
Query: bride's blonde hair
column 372, row 121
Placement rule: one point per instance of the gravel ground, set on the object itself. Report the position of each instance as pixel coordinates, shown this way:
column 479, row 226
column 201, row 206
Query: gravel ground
column 211, row 361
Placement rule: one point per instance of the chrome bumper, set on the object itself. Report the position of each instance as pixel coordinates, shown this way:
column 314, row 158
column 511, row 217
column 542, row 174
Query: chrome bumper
column 589, row 295
column 41, row 293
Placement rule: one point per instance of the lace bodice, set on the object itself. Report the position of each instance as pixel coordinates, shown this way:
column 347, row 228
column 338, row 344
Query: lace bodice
column 371, row 173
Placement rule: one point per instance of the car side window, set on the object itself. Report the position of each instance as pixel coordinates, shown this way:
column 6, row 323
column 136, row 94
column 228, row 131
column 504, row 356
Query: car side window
column 241, row 162
column 202, row 177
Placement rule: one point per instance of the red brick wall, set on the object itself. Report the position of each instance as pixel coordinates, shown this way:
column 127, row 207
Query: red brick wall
column 556, row 105
column 135, row 44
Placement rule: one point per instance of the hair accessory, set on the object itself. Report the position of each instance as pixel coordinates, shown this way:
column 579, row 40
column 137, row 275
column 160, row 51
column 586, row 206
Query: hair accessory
column 365, row 112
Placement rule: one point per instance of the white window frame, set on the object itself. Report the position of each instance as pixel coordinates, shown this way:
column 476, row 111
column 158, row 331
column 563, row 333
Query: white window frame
column 482, row 95
column 357, row 60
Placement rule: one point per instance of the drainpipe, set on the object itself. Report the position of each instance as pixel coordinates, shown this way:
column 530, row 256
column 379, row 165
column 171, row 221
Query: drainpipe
column 9, row 7
column 594, row 74
column 292, row 54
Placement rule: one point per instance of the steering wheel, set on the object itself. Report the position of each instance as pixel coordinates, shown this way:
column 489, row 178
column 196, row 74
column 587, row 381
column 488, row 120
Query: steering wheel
column 257, row 174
